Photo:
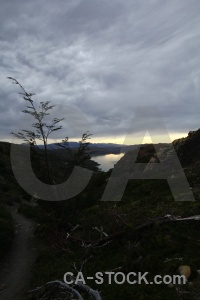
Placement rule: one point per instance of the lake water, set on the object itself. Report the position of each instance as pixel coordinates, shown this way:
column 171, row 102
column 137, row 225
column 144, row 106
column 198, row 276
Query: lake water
column 107, row 161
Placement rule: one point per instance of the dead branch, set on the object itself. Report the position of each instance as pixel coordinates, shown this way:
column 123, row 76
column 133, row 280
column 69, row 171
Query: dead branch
column 115, row 214
column 97, row 242
column 61, row 285
column 82, row 264
column 148, row 223
column 90, row 291
column 165, row 219
column 72, row 290
column 101, row 231
column 109, row 238
column 75, row 227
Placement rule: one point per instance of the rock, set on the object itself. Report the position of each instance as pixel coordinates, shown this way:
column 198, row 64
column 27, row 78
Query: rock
column 185, row 270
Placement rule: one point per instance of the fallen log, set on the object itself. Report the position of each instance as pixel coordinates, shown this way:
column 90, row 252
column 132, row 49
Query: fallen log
column 148, row 223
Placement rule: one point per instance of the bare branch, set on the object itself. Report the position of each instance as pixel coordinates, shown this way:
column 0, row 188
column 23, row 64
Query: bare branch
column 60, row 284
column 72, row 290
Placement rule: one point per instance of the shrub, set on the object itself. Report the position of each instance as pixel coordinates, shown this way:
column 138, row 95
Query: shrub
column 6, row 230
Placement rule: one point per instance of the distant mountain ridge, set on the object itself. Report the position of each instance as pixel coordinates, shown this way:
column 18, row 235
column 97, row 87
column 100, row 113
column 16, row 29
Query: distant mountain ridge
column 96, row 148
column 76, row 145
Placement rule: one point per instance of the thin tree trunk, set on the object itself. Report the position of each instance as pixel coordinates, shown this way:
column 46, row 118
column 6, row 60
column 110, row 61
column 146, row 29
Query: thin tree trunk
column 47, row 163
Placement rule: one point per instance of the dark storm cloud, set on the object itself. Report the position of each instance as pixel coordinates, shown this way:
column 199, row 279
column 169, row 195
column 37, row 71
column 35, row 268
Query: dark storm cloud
column 104, row 58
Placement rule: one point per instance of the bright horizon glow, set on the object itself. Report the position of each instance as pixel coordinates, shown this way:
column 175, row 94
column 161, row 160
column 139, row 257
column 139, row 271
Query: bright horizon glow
column 146, row 140
column 113, row 140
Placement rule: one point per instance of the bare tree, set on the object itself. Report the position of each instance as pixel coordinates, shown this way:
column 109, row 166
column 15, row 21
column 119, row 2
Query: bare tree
column 42, row 130
column 77, row 157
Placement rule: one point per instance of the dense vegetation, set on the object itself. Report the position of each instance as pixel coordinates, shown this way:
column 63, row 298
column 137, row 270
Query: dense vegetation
column 6, row 230
column 72, row 233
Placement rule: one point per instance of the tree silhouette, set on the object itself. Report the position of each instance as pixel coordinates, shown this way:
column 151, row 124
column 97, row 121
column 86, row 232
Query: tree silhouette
column 42, row 130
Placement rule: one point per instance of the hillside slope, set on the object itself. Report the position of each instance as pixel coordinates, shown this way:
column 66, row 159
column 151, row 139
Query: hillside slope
column 148, row 231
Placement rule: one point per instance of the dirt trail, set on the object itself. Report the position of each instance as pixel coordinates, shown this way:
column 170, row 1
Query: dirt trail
column 15, row 270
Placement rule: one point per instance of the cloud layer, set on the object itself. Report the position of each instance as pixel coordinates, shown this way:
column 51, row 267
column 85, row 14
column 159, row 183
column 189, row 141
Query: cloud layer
column 97, row 60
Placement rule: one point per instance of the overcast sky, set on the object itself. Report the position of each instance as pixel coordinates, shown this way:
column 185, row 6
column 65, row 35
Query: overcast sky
column 97, row 60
